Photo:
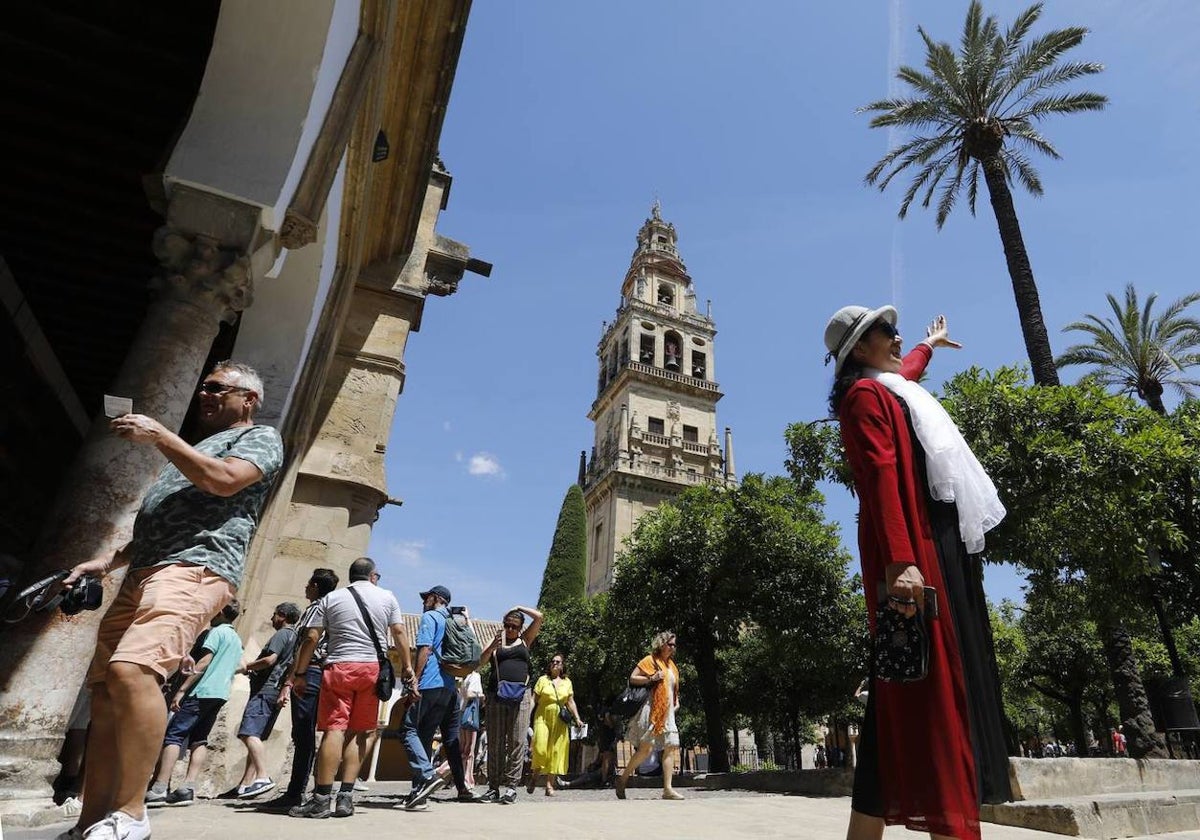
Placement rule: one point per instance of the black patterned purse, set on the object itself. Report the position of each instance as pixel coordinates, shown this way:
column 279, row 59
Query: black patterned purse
column 901, row 644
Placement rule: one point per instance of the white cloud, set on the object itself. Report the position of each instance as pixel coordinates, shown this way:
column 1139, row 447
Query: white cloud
column 485, row 464
column 407, row 554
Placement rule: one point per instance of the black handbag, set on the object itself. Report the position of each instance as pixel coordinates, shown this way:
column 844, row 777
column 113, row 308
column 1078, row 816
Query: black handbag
column 385, row 684
column 901, row 644
column 564, row 714
column 901, row 647
column 631, row 701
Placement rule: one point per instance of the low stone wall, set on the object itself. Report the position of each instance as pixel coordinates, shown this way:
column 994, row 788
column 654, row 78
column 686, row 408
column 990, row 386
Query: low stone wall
column 1056, row 778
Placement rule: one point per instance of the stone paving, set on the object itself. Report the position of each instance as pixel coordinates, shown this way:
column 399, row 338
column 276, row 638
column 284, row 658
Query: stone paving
column 581, row 815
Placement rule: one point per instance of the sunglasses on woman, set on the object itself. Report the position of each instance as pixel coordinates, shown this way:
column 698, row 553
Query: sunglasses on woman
column 886, row 328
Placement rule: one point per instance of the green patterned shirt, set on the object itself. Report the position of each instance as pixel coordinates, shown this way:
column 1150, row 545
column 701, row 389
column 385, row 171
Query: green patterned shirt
column 180, row 523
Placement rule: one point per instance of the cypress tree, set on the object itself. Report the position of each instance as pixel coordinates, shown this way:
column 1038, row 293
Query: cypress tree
column 565, row 577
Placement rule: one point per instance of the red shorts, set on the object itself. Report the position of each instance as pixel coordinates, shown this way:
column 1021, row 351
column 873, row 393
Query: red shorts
column 347, row 699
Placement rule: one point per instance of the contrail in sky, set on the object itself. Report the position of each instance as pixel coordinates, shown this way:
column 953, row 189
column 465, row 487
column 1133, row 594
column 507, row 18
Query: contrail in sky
column 895, row 57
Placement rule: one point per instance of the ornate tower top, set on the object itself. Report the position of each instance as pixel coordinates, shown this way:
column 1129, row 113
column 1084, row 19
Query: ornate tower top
column 657, row 252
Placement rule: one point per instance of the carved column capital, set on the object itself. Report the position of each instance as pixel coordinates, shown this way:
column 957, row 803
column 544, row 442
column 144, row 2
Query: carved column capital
column 297, row 230
column 197, row 268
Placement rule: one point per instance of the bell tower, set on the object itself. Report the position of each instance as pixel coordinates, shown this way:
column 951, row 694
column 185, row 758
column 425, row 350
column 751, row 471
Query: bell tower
column 655, row 412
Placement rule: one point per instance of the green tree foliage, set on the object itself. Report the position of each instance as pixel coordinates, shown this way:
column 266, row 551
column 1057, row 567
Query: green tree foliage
column 976, row 109
column 579, row 630
column 565, row 577
column 1137, row 352
column 714, row 564
column 1088, row 479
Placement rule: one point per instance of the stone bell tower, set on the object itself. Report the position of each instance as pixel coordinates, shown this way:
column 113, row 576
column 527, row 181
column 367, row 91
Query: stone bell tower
column 655, row 412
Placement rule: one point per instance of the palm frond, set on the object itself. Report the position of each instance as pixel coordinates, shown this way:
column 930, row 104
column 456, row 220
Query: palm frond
column 973, row 186
column 1053, row 77
column 1026, row 174
column 919, row 155
column 931, row 172
column 1066, row 103
column 1038, row 55
column 1024, row 131
column 949, row 193
column 886, row 160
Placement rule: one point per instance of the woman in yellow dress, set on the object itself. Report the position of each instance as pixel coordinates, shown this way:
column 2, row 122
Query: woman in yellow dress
column 551, row 738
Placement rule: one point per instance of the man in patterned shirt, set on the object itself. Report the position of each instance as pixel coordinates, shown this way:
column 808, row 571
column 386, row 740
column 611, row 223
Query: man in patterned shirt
column 186, row 558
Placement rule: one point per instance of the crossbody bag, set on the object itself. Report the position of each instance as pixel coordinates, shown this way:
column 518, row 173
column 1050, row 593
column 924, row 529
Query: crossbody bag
column 386, row 683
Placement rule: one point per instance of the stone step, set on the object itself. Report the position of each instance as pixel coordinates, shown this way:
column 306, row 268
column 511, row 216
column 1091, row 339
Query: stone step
column 1058, row 778
column 1105, row 816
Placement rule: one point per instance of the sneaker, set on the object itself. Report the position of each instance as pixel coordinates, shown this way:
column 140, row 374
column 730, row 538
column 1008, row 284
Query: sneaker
column 509, row 797
column 233, row 793
column 72, row 833
column 181, row 796
column 360, row 786
column 155, row 797
column 344, row 806
column 421, row 794
column 119, row 826
column 72, row 808
column 256, row 788
column 492, row 795
column 410, row 803
column 316, row 808
column 465, row 796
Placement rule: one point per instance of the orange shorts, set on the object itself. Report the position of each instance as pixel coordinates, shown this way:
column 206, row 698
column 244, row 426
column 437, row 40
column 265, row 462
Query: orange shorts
column 348, row 700
column 157, row 616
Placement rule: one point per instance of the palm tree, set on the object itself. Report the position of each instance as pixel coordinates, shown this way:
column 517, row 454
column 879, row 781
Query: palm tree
column 1138, row 353
column 976, row 110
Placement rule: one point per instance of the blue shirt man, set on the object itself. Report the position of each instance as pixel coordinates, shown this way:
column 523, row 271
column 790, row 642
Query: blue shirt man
column 437, row 707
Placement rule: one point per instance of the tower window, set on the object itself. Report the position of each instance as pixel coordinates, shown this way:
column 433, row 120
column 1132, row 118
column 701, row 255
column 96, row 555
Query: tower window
column 666, row 295
column 655, row 425
column 673, row 351
column 646, row 350
column 699, row 364
column 691, row 434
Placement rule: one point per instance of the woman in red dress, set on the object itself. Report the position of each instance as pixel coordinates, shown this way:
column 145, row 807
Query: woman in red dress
column 928, row 750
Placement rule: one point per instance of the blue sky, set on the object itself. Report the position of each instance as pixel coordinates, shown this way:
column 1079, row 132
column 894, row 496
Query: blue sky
column 567, row 121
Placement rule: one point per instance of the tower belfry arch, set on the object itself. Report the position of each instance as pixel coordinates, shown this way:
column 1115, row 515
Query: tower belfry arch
column 655, row 411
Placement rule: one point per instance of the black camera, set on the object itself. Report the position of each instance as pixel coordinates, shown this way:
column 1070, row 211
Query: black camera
column 86, row 594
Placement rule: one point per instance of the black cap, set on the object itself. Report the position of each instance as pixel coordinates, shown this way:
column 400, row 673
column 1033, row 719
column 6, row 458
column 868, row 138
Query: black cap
column 439, row 590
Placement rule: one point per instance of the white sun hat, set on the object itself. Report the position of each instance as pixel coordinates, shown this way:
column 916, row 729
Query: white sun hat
column 847, row 326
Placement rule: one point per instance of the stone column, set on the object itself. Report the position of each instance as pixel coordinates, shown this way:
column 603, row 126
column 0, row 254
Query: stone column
column 730, row 469
column 43, row 660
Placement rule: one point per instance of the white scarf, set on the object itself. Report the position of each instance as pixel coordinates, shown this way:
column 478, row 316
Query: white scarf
column 955, row 474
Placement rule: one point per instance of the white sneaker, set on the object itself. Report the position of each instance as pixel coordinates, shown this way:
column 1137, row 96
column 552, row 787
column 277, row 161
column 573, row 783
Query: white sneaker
column 73, row 833
column 119, row 826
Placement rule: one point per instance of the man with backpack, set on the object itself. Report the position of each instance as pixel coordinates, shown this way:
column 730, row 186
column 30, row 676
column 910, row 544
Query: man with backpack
column 437, row 706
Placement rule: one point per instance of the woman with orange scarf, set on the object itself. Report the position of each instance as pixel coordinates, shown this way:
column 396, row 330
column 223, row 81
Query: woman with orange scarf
column 654, row 725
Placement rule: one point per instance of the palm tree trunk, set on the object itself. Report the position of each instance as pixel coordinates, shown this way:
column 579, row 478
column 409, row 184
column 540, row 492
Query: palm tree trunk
column 1029, row 307
column 1142, row 740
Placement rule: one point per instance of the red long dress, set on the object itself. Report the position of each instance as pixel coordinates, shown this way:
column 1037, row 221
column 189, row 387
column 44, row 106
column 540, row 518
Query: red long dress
column 916, row 761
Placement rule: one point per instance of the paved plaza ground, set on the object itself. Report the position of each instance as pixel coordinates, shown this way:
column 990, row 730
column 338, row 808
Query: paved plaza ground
column 581, row 815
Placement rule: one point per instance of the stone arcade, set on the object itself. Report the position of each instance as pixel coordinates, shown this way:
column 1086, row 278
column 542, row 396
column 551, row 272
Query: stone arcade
column 255, row 179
